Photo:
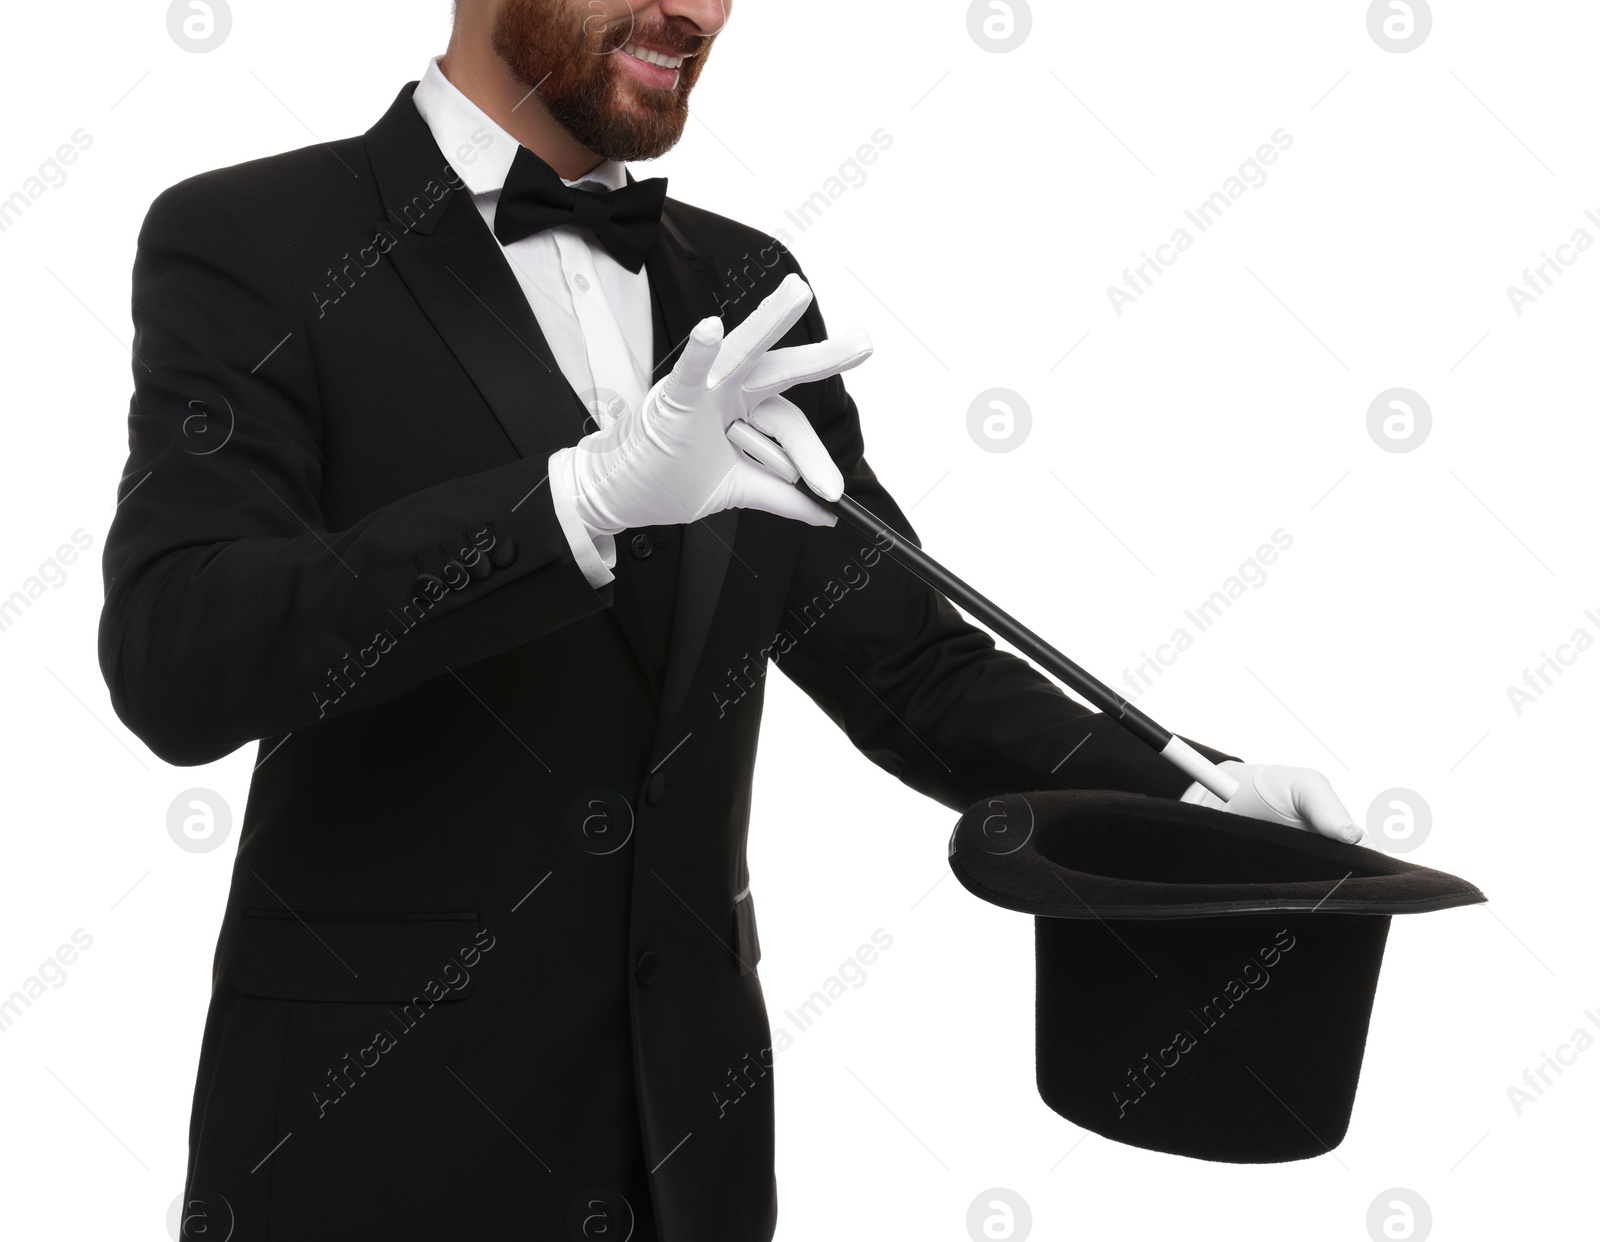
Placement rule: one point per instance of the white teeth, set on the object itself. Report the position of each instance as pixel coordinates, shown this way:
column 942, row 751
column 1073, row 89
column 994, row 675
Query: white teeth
column 654, row 58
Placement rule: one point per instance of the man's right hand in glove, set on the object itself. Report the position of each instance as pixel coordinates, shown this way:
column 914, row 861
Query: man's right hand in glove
column 670, row 462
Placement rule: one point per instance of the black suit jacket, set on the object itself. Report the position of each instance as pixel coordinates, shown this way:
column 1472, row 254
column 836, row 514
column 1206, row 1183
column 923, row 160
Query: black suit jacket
column 489, row 955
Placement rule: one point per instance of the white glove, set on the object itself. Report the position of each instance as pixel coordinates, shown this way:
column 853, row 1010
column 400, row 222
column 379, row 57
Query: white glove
column 670, row 462
column 1299, row 797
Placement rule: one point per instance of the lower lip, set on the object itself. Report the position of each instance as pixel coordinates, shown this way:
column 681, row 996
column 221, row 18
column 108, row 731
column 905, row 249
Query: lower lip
column 651, row 75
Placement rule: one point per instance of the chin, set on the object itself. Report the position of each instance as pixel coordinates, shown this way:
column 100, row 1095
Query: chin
column 632, row 98
column 642, row 118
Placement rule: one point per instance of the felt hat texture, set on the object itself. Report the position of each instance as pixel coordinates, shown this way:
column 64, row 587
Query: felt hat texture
column 1204, row 980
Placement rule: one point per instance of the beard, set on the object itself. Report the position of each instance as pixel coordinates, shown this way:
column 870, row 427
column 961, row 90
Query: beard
column 569, row 57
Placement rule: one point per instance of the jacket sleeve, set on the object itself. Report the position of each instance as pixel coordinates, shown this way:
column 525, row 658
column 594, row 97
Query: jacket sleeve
column 917, row 689
column 232, row 611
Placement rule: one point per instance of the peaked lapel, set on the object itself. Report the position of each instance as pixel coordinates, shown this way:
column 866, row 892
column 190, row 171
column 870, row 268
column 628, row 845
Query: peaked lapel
column 685, row 284
column 459, row 276
column 455, row 269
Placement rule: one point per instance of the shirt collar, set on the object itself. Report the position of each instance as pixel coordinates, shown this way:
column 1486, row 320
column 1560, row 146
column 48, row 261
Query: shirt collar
column 478, row 149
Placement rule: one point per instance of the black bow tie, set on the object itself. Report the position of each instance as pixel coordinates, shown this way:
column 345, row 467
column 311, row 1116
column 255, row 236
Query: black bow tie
column 624, row 221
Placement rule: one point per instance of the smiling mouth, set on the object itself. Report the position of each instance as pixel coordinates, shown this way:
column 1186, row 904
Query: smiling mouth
column 659, row 59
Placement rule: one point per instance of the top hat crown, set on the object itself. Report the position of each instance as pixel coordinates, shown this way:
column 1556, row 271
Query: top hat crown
column 1204, row 980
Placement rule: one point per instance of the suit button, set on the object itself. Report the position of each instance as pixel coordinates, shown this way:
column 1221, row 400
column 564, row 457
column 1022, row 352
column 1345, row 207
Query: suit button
column 655, row 789
column 641, row 546
column 644, row 970
column 503, row 554
column 429, row 585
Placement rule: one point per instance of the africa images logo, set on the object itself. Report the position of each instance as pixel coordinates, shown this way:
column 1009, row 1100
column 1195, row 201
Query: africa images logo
column 1145, row 1075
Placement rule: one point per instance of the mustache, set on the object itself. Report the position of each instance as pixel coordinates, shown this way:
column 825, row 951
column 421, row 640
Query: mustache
column 615, row 34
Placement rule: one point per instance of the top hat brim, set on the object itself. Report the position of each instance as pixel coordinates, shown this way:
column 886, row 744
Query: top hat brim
column 1084, row 854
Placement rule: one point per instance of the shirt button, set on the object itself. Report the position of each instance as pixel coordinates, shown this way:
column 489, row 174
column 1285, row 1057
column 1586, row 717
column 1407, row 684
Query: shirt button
column 644, row 970
column 656, row 789
column 641, row 546
column 582, row 282
column 616, row 406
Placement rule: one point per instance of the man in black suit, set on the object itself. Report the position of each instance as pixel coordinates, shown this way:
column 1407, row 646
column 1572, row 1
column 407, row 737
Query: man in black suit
column 429, row 495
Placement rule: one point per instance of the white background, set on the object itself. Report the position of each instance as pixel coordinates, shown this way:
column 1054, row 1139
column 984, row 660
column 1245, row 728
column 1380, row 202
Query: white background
column 1229, row 401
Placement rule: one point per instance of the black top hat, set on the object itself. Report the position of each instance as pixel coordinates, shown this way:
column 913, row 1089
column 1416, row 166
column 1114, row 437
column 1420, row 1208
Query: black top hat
column 1204, row 980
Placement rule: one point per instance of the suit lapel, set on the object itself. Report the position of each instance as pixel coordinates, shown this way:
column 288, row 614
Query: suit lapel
column 685, row 285
column 458, row 274
column 707, row 549
column 454, row 268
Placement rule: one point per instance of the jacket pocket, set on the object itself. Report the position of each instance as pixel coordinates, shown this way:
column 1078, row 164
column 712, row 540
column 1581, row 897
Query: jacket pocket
column 383, row 958
column 745, row 941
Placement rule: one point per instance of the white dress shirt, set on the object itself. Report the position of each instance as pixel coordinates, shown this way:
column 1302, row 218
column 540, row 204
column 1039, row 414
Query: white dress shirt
column 594, row 312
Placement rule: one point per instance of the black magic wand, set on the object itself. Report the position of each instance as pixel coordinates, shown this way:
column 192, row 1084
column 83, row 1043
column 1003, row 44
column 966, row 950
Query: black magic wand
column 1164, row 742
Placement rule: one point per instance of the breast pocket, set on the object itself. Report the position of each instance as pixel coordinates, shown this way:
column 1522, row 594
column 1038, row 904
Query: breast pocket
column 356, row 957
column 746, row 944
